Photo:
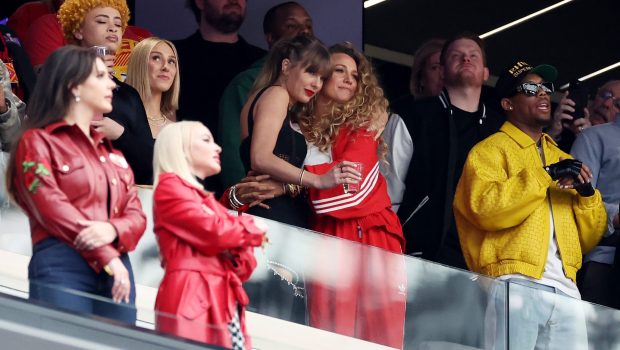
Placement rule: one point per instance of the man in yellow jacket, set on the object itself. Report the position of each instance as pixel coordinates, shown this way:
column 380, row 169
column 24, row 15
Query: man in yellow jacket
column 526, row 212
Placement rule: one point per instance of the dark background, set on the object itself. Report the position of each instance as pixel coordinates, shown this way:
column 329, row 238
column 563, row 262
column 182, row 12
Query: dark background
column 578, row 38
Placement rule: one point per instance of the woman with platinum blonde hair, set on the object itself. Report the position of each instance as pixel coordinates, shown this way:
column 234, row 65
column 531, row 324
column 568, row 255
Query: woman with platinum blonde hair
column 153, row 71
column 206, row 251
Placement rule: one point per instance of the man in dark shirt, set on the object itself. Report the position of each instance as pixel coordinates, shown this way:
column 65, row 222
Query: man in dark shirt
column 443, row 130
column 284, row 20
column 209, row 59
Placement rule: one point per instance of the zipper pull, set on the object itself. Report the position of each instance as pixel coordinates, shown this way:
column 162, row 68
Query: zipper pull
column 359, row 231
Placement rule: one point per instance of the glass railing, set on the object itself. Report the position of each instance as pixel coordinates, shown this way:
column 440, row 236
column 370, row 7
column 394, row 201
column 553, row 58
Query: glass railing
column 369, row 293
column 548, row 319
column 310, row 279
column 69, row 319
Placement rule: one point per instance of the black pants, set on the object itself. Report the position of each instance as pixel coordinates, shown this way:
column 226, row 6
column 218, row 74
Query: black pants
column 596, row 282
column 59, row 276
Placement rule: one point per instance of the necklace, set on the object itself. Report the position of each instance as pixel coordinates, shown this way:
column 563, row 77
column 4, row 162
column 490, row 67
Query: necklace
column 157, row 121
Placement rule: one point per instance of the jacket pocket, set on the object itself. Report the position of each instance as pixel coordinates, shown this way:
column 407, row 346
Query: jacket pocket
column 71, row 177
column 195, row 301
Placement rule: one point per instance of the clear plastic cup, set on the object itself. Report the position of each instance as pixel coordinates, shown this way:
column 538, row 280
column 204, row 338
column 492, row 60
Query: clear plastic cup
column 354, row 188
column 102, row 51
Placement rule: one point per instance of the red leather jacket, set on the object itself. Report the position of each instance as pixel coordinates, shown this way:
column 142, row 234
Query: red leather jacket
column 207, row 253
column 62, row 178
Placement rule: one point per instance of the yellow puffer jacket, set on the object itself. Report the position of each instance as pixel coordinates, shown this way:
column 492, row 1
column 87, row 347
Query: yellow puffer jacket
column 502, row 210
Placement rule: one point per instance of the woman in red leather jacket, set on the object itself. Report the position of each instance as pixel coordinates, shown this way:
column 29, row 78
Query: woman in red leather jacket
column 77, row 191
column 207, row 253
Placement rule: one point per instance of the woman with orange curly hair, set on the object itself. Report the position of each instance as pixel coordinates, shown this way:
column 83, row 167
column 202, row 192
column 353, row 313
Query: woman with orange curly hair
column 361, row 292
column 89, row 23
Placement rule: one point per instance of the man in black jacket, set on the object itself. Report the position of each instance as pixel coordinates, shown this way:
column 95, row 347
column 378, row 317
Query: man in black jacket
column 443, row 130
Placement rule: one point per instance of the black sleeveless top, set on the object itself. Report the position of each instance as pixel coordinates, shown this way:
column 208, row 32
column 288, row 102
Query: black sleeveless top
column 291, row 147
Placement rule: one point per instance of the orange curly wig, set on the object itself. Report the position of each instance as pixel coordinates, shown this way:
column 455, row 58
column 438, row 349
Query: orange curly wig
column 72, row 13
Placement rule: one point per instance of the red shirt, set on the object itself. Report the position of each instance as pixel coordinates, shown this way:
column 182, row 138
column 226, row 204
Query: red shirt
column 62, row 178
column 343, row 214
column 23, row 17
column 45, row 35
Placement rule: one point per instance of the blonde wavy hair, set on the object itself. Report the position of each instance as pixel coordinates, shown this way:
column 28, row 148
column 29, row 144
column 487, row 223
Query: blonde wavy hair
column 367, row 104
column 138, row 74
column 71, row 15
column 172, row 152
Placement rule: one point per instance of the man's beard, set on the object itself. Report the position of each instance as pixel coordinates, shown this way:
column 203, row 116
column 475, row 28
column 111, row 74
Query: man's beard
column 462, row 79
column 226, row 23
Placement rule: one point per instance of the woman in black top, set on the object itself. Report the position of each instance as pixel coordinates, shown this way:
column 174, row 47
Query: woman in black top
column 293, row 73
column 273, row 145
column 154, row 73
column 102, row 23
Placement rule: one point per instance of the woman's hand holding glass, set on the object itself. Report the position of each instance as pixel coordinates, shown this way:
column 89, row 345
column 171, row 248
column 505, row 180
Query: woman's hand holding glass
column 342, row 173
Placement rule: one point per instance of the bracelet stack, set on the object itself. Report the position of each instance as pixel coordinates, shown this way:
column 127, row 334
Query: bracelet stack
column 233, row 201
column 292, row 190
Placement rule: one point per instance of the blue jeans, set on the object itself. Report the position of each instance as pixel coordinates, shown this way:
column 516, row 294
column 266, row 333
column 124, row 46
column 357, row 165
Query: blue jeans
column 540, row 317
column 59, row 276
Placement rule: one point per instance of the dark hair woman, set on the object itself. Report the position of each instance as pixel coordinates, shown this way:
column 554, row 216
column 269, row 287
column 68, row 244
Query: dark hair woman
column 292, row 75
column 78, row 191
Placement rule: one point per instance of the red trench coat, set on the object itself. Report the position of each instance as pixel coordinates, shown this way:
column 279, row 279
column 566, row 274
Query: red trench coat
column 207, row 253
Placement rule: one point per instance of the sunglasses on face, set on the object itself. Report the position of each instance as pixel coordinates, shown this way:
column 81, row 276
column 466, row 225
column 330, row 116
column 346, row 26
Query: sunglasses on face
column 606, row 95
column 531, row 89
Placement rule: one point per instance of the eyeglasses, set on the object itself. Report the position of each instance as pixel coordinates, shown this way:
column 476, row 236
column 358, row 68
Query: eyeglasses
column 606, row 95
column 531, row 89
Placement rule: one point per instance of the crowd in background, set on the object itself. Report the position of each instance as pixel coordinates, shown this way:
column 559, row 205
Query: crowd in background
column 497, row 183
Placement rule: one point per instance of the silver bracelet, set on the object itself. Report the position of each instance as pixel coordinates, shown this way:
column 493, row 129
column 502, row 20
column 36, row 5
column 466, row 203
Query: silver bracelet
column 236, row 200
column 231, row 201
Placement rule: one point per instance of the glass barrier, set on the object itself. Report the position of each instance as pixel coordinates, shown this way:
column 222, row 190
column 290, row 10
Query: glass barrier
column 545, row 317
column 90, row 307
column 371, row 294
column 363, row 292
column 15, row 238
column 337, row 285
